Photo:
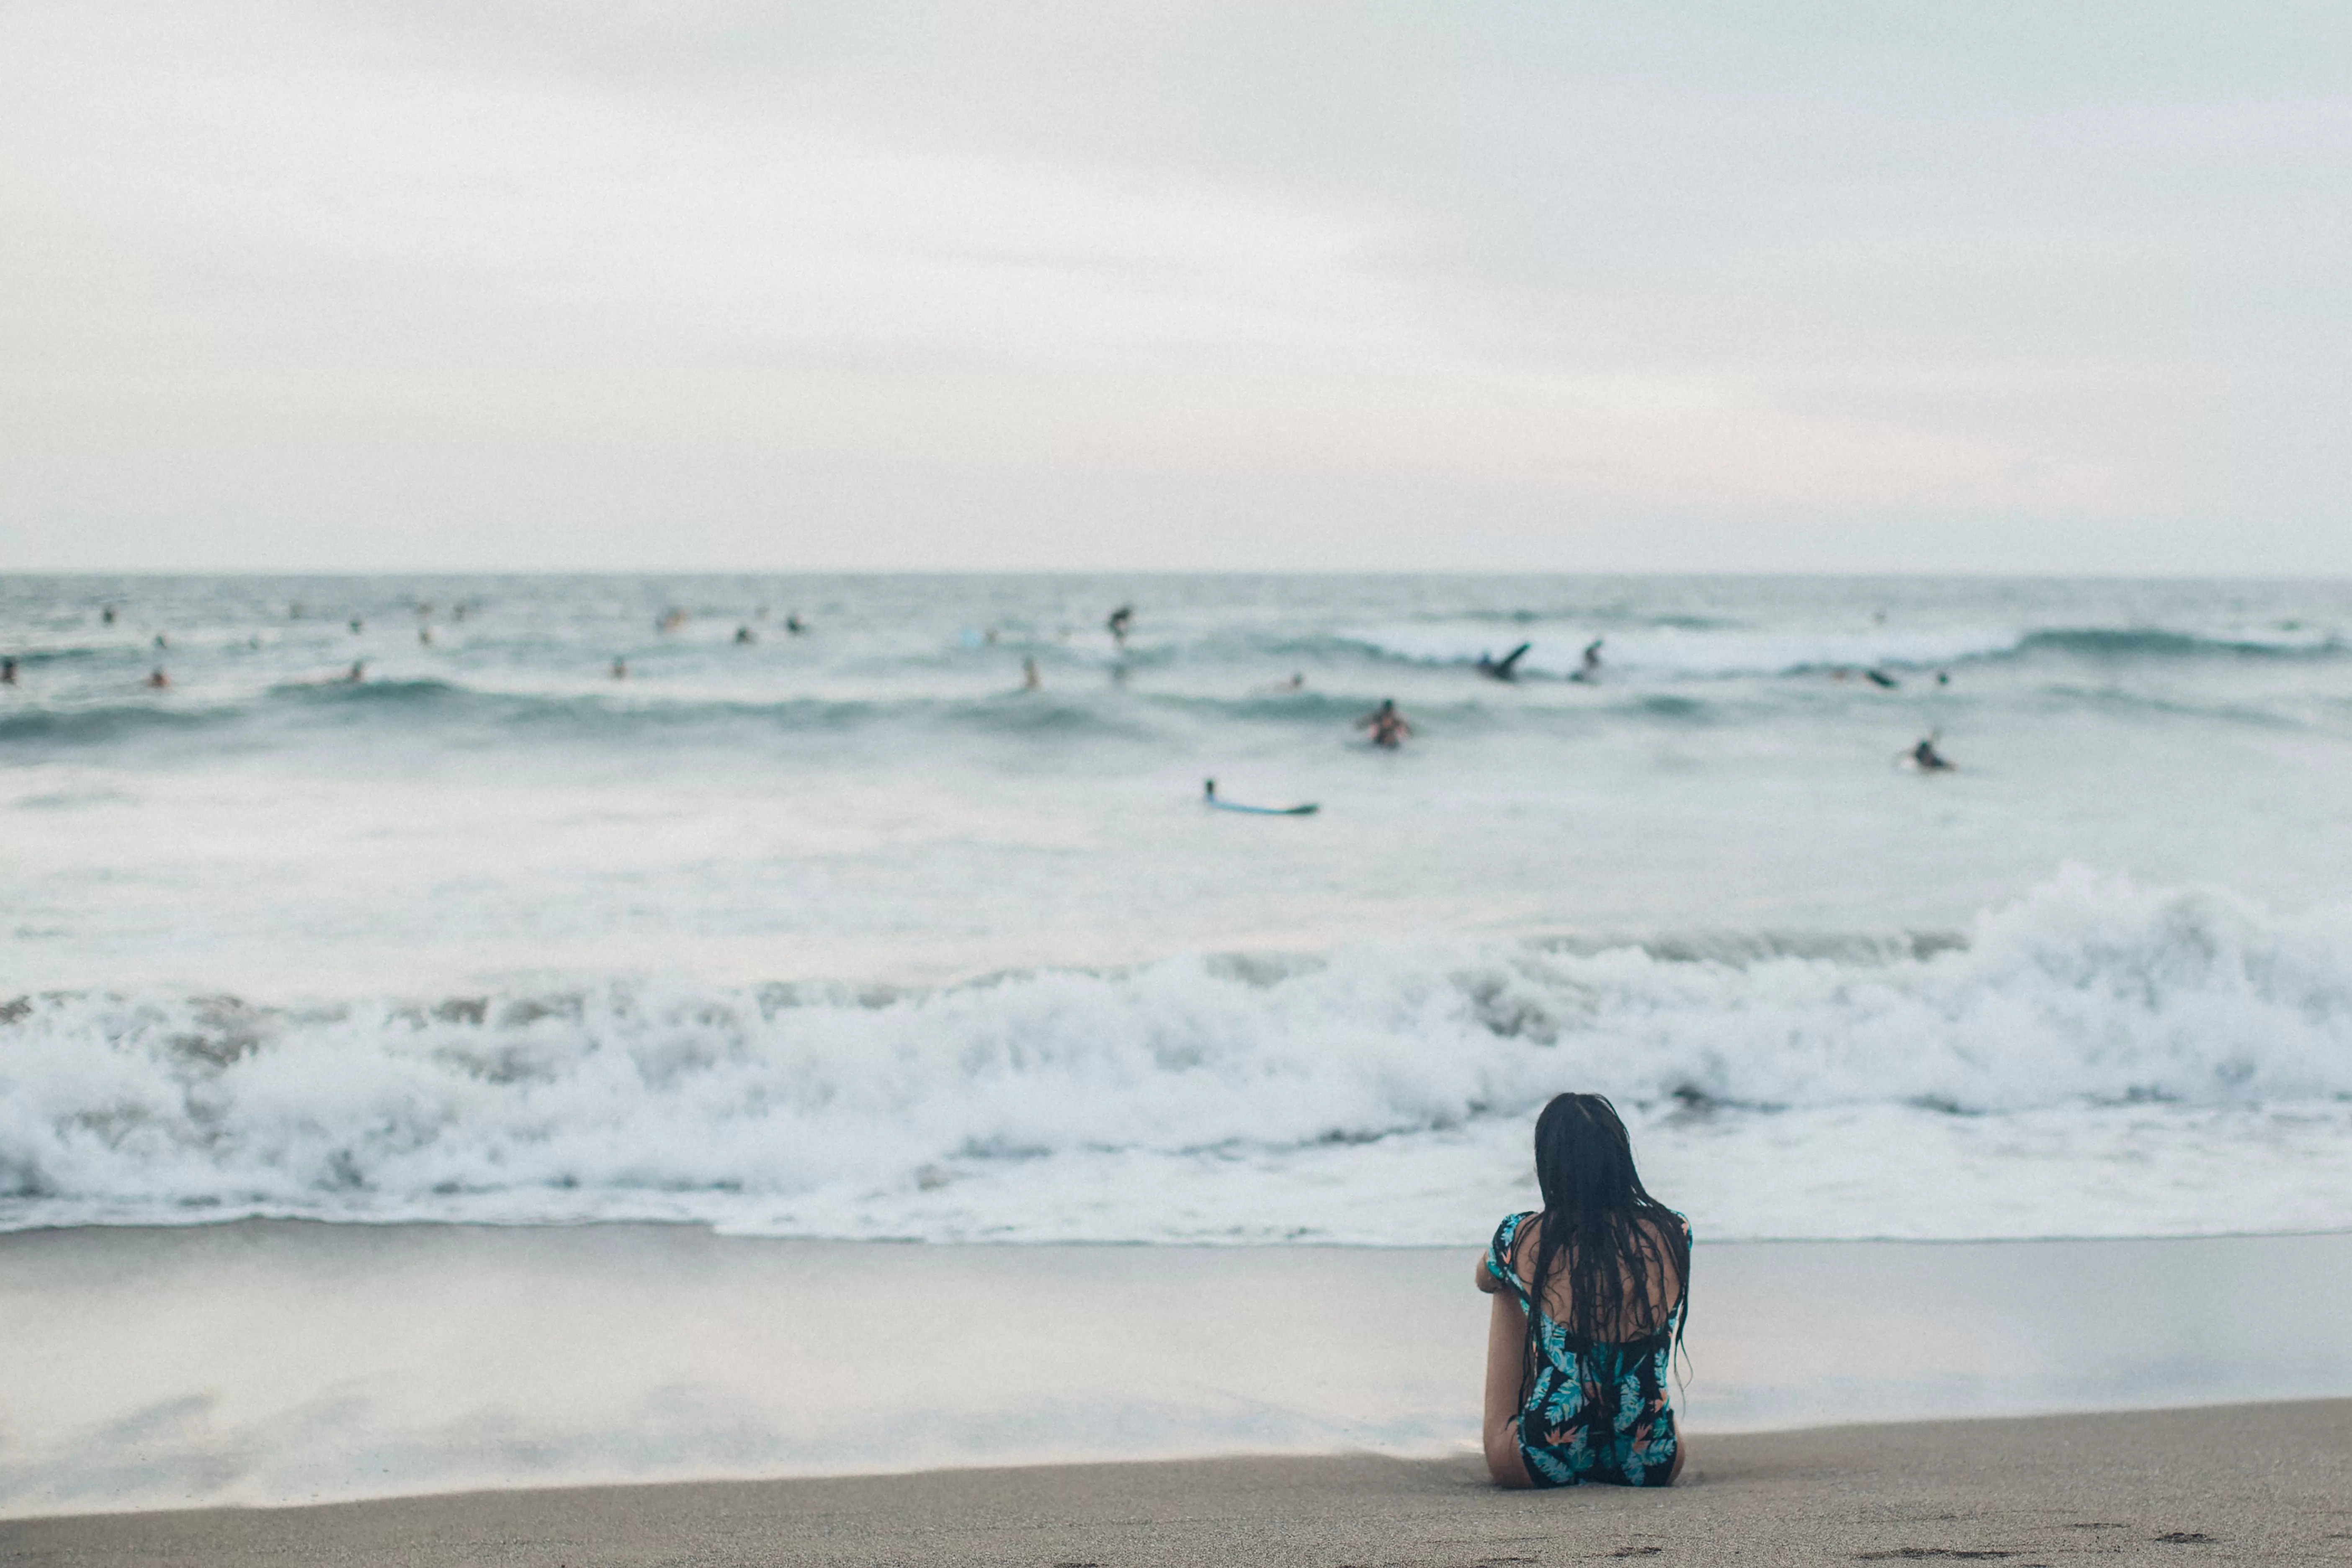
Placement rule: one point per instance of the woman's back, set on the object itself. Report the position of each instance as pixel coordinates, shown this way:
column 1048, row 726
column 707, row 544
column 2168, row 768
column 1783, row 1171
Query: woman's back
column 1650, row 1280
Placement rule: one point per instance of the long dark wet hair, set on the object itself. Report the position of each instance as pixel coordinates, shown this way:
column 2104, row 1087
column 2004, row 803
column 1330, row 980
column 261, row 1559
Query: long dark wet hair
column 1600, row 1225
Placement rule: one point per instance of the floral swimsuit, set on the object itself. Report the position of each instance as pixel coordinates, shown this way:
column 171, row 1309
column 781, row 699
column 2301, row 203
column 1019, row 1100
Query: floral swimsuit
column 1594, row 1412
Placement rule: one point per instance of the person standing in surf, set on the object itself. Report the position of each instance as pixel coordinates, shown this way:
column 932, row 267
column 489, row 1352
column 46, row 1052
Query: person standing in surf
column 1590, row 1294
column 1388, row 726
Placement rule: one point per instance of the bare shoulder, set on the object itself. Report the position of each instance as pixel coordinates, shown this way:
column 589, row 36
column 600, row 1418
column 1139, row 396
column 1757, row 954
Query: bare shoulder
column 1669, row 1233
column 1666, row 1227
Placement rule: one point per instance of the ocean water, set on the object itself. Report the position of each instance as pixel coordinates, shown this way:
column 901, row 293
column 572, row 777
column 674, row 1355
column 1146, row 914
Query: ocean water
column 845, row 934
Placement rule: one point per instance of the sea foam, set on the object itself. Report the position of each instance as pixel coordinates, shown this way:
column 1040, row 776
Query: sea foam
column 1231, row 1096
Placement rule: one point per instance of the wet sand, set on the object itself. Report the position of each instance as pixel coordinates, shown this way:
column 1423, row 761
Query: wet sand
column 2230, row 1484
column 273, row 1364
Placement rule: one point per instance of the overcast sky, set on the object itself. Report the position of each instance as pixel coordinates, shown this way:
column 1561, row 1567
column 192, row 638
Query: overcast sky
column 579, row 284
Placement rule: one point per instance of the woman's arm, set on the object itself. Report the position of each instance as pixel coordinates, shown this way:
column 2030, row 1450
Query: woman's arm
column 1483, row 1276
column 1506, row 1348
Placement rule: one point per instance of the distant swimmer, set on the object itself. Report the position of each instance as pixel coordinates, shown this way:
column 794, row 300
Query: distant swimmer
column 1879, row 678
column 162, row 641
column 743, row 636
column 106, row 616
column 358, row 672
column 620, row 670
column 1506, row 666
column 158, row 680
column 8, row 672
column 670, row 621
column 1120, row 620
column 793, row 623
column 1388, row 726
column 358, row 626
column 1927, row 759
column 424, row 635
column 1030, row 682
column 1591, row 669
column 1943, row 678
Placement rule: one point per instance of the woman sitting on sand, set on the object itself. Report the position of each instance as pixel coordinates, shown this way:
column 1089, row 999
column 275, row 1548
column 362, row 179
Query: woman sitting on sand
column 1589, row 1305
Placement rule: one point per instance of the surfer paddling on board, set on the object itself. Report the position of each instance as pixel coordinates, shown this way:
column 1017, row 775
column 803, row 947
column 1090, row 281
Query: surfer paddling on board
column 1120, row 620
column 1506, row 666
column 1928, row 760
column 1388, row 726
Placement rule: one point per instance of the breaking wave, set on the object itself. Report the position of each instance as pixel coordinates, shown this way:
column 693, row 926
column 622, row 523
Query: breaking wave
column 627, row 1098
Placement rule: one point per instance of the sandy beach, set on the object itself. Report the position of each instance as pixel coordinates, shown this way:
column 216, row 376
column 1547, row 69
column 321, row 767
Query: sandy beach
column 2235, row 1484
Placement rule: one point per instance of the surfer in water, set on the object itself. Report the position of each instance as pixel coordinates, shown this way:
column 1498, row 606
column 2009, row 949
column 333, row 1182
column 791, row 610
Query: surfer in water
column 1506, row 666
column 157, row 682
column 1591, row 670
column 1030, row 680
column 620, row 670
column 8, row 672
column 744, row 637
column 1927, row 759
column 1388, row 726
column 793, row 624
column 1120, row 620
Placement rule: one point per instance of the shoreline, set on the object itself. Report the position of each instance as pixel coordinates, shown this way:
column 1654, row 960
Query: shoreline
column 2220, row 1484
column 278, row 1363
